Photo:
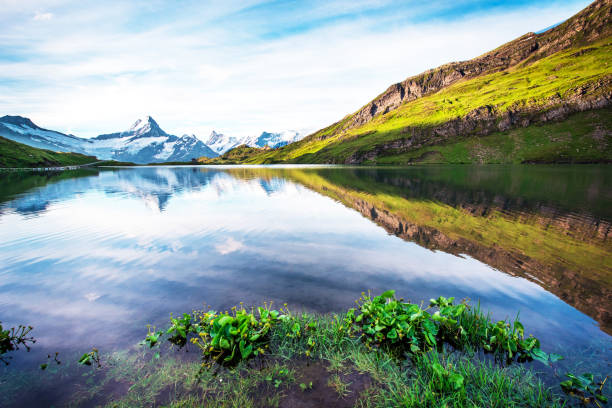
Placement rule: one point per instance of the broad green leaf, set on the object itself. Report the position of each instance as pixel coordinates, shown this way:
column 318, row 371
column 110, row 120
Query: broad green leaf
column 456, row 381
column 225, row 320
column 388, row 294
column 539, row 355
column 224, row 344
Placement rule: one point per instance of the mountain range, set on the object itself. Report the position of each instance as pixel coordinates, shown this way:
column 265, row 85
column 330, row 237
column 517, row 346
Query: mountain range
column 143, row 142
column 543, row 97
column 221, row 143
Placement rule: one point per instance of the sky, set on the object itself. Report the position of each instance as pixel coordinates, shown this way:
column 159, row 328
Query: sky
column 238, row 67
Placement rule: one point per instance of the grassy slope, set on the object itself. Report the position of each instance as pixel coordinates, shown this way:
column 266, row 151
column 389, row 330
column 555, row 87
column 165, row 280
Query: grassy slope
column 582, row 138
column 13, row 154
column 519, row 86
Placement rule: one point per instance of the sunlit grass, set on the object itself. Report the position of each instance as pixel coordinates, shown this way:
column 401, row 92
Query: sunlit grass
column 13, row 154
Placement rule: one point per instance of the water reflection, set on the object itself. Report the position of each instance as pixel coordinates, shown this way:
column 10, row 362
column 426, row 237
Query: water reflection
column 98, row 254
column 509, row 218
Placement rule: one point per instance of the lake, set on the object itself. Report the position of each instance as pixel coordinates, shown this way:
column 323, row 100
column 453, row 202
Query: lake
column 90, row 257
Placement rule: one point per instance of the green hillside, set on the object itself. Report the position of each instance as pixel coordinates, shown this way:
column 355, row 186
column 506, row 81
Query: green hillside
column 13, row 154
column 511, row 105
column 582, row 138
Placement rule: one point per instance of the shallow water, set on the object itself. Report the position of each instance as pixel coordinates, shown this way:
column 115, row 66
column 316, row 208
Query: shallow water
column 90, row 257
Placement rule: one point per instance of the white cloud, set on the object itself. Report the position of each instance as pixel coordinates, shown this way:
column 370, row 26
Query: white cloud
column 42, row 16
column 93, row 69
column 230, row 245
column 92, row 297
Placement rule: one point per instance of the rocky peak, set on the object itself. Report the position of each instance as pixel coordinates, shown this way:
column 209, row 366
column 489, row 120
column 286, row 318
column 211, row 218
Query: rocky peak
column 146, row 126
column 18, row 121
column 214, row 137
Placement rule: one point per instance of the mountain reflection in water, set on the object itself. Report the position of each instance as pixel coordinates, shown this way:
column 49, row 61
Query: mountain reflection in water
column 225, row 234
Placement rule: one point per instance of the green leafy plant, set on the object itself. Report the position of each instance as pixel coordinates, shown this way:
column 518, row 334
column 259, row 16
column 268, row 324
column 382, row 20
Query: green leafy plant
column 55, row 359
column 279, row 375
column 304, row 386
column 446, row 379
column 399, row 327
column 178, row 330
column 91, row 358
column 585, row 387
column 152, row 337
column 509, row 340
column 11, row 339
column 304, row 327
column 225, row 337
column 387, row 322
column 229, row 338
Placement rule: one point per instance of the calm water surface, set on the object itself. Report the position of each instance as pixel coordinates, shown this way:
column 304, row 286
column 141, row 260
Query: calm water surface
column 90, row 257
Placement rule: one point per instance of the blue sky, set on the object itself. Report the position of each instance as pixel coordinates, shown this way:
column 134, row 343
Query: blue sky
column 238, row 67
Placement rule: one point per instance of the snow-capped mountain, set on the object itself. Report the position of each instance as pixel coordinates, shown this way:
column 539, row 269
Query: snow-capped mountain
column 221, row 143
column 274, row 140
column 144, row 142
column 23, row 130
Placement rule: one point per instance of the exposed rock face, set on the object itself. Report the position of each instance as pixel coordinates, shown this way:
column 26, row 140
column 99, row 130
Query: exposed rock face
column 488, row 119
column 590, row 24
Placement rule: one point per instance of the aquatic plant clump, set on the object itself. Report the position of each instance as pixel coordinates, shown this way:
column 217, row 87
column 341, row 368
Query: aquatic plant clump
column 399, row 327
column 420, row 354
column 383, row 321
column 11, row 339
column 225, row 337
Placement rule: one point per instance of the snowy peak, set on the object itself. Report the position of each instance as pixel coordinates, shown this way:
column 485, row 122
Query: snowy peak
column 143, row 127
column 221, row 143
column 275, row 140
column 146, row 142
column 23, row 130
column 19, row 121
column 214, row 138
column 146, row 126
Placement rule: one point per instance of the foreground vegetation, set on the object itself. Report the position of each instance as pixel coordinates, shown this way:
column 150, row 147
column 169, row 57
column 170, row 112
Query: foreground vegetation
column 13, row 154
column 386, row 352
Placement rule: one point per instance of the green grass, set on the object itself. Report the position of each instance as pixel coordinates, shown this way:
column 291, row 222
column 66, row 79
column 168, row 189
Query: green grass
column 116, row 163
column 582, row 138
column 524, row 86
column 13, row 154
column 252, row 384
